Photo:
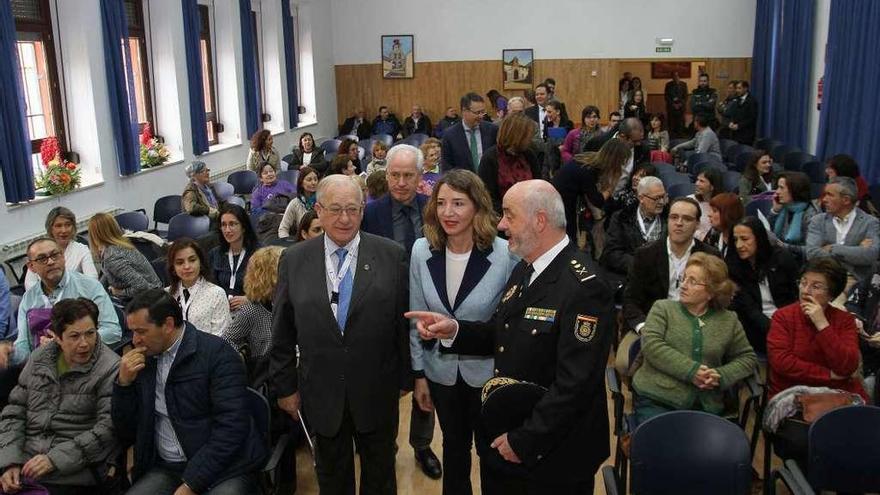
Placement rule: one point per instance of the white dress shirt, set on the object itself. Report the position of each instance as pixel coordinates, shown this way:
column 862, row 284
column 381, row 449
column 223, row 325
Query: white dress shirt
column 167, row 444
column 842, row 225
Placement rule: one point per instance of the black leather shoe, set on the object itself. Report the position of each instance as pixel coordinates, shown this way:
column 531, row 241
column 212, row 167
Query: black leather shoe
column 429, row 463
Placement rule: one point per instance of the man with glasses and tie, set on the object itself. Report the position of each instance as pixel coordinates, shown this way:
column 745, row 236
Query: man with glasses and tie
column 46, row 259
column 398, row 216
column 465, row 142
column 552, row 329
column 340, row 303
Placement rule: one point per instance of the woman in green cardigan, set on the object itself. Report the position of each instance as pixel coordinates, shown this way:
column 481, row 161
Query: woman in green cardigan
column 694, row 349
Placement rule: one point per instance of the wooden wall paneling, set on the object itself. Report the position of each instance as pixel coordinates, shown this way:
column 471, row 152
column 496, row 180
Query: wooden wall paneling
column 437, row 85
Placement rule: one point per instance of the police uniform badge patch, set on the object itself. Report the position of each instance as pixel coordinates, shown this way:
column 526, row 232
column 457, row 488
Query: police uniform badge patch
column 585, row 327
column 510, row 292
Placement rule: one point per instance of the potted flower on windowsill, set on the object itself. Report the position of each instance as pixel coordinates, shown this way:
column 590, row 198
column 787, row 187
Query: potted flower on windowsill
column 58, row 175
column 153, row 150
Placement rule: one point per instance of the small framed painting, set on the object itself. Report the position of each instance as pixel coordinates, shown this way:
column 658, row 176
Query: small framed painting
column 517, row 68
column 664, row 70
column 398, row 57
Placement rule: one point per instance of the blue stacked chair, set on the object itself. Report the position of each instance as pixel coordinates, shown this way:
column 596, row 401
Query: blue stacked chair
column 815, row 170
column 778, row 153
column 135, row 221
column 243, row 181
column 679, row 190
column 164, row 210
column 730, row 179
column 186, row 225
column 331, row 145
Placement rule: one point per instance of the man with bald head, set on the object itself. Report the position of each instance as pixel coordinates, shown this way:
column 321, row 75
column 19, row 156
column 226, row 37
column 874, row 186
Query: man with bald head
column 353, row 341
column 552, row 329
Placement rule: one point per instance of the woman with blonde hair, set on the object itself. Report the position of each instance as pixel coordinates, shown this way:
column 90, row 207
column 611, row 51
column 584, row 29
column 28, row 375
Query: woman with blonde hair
column 431, row 166
column 694, row 349
column 459, row 269
column 593, row 174
column 61, row 226
column 511, row 160
column 125, row 271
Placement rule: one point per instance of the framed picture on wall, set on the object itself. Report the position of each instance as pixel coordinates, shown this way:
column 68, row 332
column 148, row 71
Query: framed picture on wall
column 664, row 70
column 517, row 67
column 398, row 57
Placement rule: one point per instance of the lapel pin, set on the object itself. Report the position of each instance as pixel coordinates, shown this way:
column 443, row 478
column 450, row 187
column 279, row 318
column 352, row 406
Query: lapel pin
column 366, row 267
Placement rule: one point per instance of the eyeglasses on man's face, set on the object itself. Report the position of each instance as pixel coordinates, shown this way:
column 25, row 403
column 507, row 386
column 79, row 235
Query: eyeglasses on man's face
column 44, row 259
column 337, row 210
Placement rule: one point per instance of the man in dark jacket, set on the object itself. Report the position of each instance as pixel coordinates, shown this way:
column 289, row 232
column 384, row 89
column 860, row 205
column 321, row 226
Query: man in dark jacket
column 356, row 125
column 386, row 123
column 743, row 115
column 675, row 93
column 632, row 228
column 417, row 123
column 180, row 397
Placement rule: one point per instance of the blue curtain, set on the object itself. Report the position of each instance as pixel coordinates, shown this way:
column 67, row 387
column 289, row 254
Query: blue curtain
column 120, row 86
column 198, row 125
column 249, row 66
column 788, row 112
column 764, row 59
column 15, row 144
column 290, row 63
column 849, row 121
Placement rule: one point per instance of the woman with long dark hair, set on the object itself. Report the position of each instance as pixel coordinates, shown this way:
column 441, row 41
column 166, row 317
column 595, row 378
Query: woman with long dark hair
column 511, row 160
column 791, row 213
column 228, row 261
column 757, row 178
column 499, row 104
column 306, row 189
column 261, row 151
column 709, row 184
column 204, row 304
column 577, row 139
column 307, row 152
column 766, row 276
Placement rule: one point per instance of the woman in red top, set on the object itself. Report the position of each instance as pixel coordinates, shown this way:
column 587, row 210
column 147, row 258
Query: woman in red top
column 812, row 343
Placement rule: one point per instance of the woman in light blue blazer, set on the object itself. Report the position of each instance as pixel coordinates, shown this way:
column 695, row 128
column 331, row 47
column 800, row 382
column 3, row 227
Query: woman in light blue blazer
column 459, row 269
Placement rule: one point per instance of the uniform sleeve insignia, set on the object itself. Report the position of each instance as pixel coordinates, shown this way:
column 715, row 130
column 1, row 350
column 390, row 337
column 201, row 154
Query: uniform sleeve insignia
column 580, row 271
column 510, row 292
column 585, row 328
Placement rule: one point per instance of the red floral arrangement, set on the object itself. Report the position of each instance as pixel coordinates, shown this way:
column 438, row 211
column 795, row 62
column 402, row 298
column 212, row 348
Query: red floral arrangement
column 153, row 152
column 58, row 175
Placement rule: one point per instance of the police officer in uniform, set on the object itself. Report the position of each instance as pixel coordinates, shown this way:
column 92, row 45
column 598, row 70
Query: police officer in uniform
column 553, row 329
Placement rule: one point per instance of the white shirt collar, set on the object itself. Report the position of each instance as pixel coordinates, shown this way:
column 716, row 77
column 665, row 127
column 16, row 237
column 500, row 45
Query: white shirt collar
column 543, row 261
column 330, row 247
column 672, row 255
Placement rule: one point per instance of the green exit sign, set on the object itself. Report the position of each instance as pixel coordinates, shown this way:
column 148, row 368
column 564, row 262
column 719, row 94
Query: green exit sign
column 663, row 49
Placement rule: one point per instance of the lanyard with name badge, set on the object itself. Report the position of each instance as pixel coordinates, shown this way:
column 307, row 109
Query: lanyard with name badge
column 234, row 269
column 336, row 278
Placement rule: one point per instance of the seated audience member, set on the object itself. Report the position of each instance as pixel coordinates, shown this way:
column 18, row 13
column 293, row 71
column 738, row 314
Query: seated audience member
column 378, row 151
column 681, row 371
column 309, row 226
column 465, row 142
column 61, row 226
column 792, row 212
column 709, row 184
column 377, row 186
column 658, row 139
column 124, row 270
column 864, row 304
column 845, row 166
column 630, row 229
column 262, row 152
column 56, row 283
column 342, row 165
column 356, row 125
column 251, row 330
column 725, row 211
column 845, row 232
column 306, row 186
column 416, row 123
column 184, row 409
column 628, row 198
column 460, row 244
column 450, row 118
column 766, row 279
column 658, row 267
column 229, row 260
column 271, row 194
column 431, row 150
column 811, row 342
column 577, row 139
column 758, row 177
column 511, row 159
column 308, row 153
column 350, row 148
column 614, row 119
column 198, row 198
column 204, row 304
column 499, row 104
column 593, row 175
column 386, row 123
column 56, row 429
column 704, row 141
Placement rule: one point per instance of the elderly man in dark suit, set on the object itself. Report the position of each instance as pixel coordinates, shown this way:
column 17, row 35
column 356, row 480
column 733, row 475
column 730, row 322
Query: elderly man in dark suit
column 353, row 341
column 398, row 216
column 464, row 143
column 356, row 125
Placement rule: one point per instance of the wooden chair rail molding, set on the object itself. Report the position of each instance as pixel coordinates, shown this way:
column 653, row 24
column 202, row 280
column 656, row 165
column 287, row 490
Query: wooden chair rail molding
column 437, row 85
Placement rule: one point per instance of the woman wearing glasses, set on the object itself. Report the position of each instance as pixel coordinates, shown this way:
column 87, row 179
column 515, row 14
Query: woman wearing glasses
column 811, row 342
column 694, row 349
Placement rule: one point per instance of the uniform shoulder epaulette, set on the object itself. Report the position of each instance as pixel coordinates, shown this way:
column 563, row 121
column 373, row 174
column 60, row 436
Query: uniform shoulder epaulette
column 581, row 272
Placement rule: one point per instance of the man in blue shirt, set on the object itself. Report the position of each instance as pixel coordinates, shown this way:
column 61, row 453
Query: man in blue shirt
column 46, row 259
